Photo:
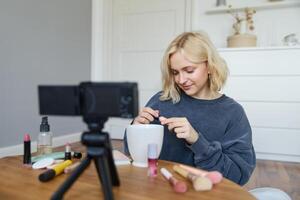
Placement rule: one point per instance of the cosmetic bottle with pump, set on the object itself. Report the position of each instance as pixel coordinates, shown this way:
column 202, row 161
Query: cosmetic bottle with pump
column 44, row 143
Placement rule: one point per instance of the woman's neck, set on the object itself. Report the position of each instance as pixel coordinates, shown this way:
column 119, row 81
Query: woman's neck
column 208, row 95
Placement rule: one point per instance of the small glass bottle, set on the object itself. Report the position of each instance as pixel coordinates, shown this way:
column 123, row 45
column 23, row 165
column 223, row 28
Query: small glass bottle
column 44, row 143
column 152, row 160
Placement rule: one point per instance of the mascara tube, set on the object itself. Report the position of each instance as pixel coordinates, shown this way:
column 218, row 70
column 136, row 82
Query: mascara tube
column 51, row 173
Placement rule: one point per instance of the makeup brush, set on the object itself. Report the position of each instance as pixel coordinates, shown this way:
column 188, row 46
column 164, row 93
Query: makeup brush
column 199, row 183
column 178, row 186
column 214, row 176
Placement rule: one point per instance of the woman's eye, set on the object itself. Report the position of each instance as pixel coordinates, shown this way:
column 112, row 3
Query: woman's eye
column 190, row 71
column 174, row 72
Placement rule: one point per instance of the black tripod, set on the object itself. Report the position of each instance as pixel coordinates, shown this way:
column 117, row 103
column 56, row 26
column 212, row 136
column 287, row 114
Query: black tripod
column 99, row 149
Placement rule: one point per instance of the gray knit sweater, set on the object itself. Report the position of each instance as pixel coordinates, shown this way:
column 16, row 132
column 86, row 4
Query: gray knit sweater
column 225, row 137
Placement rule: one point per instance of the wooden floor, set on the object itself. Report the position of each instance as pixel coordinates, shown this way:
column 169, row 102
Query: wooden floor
column 281, row 175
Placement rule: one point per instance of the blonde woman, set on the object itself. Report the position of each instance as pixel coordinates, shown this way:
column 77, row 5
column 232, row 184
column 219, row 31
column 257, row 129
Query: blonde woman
column 203, row 128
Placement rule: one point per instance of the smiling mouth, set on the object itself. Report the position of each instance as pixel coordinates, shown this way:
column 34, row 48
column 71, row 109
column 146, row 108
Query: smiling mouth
column 186, row 87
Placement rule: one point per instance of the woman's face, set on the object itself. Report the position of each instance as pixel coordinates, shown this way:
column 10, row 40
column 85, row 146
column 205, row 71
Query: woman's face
column 190, row 77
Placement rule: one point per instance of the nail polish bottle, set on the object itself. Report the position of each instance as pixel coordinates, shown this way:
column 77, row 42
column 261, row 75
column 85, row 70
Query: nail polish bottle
column 152, row 160
column 68, row 152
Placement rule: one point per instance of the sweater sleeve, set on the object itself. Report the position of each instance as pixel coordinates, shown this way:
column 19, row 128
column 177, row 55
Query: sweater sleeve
column 233, row 156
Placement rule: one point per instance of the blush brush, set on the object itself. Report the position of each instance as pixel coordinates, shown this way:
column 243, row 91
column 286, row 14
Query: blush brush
column 178, row 186
column 214, row 176
column 199, row 183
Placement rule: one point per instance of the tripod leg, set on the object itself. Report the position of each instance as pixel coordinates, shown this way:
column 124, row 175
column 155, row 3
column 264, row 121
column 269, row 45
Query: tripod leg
column 112, row 166
column 71, row 179
column 104, row 176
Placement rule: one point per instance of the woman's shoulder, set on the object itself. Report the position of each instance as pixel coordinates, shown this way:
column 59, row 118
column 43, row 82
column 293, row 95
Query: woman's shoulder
column 156, row 96
column 232, row 104
column 154, row 100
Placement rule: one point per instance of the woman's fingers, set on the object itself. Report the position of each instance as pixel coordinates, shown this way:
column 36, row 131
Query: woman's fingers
column 176, row 124
column 146, row 116
column 141, row 120
column 173, row 122
column 149, row 110
column 181, row 135
column 181, row 127
column 166, row 121
column 180, row 130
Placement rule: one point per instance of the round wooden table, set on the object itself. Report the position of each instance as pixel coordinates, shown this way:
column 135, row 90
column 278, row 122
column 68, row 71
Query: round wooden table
column 19, row 182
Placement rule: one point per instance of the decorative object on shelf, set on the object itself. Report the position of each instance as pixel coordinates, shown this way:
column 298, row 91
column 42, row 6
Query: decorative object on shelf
column 249, row 18
column 290, row 40
column 241, row 40
column 221, row 3
column 243, row 29
column 257, row 5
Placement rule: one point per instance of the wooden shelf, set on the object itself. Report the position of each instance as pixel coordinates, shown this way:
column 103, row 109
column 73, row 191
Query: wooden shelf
column 266, row 5
column 223, row 49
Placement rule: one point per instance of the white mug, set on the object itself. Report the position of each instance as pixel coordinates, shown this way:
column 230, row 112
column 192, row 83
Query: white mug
column 138, row 138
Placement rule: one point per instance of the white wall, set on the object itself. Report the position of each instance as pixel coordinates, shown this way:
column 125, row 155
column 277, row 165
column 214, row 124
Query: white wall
column 271, row 25
column 41, row 42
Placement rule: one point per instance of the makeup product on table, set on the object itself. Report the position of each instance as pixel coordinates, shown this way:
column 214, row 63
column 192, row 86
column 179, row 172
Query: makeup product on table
column 51, row 173
column 120, row 158
column 178, row 186
column 55, row 163
column 214, row 176
column 152, row 160
column 44, row 143
column 199, row 183
column 43, row 163
column 71, row 167
column 68, row 152
column 27, row 150
column 56, row 155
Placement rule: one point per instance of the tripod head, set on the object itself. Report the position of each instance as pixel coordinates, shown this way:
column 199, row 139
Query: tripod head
column 95, row 123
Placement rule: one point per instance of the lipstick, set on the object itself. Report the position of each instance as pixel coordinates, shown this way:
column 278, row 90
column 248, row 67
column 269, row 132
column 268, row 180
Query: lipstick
column 27, row 150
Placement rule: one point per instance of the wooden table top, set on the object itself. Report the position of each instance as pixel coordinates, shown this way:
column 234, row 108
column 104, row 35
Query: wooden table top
column 19, row 182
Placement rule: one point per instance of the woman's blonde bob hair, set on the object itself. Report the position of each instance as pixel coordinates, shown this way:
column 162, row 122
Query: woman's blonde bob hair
column 197, row 48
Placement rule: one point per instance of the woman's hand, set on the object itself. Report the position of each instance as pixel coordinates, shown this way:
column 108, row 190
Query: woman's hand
column 146, row 116
column 182, row 127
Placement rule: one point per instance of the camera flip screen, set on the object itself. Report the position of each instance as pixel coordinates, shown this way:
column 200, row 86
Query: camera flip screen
column 90, row 99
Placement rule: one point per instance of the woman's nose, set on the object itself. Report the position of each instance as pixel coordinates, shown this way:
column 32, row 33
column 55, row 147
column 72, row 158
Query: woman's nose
column 182, row 78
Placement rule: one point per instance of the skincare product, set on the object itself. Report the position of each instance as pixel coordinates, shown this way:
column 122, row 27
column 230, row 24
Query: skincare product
column 152, row 160
column 44, row 144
